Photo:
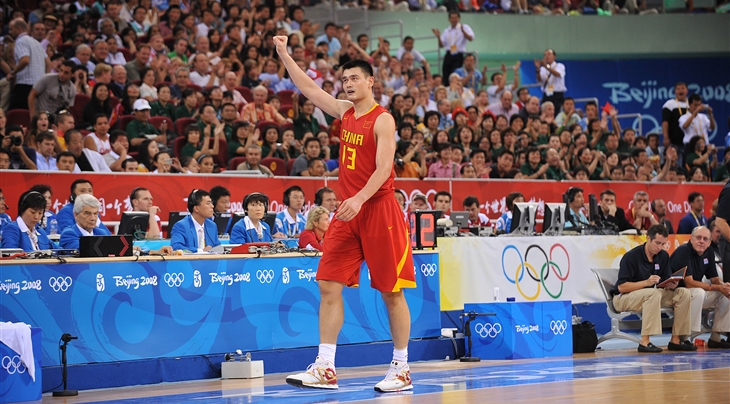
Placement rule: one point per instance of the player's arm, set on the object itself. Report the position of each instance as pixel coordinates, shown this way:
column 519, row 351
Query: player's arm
column 308, row 87
column 385, row 140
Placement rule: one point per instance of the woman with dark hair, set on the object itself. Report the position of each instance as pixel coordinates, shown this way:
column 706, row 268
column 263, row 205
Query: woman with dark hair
column 99, row 104
column 700, row 155
column 147, row 150
column 396, row 108
column 466, row 141
column 163, row 106
column 129, row 39
column 147, row 89
column 40, row 123
column 303, row 120
column 430, row 125
column 271, row 146
column 214, row 40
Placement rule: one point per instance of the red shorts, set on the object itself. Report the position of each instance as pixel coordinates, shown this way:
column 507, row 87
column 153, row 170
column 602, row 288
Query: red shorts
column 379, row 236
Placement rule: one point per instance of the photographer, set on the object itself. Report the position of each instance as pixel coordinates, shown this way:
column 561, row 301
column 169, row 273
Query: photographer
column 21, row 157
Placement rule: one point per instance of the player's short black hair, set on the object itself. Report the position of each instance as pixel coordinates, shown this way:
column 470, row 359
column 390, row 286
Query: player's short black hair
column 363, row 65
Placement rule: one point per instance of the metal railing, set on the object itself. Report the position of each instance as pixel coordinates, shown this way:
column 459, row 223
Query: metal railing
column 430, row 50
column 399, row 36
column 640, row 128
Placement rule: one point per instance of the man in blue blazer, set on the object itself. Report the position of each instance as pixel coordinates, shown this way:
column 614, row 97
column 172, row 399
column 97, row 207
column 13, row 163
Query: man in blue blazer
column 86, row 212
column 197, row 232
column 65, row 216
column 24, row 232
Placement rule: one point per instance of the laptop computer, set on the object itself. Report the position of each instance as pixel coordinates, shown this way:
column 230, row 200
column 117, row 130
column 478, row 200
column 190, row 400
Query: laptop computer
column 106, row 246
column 460, row 219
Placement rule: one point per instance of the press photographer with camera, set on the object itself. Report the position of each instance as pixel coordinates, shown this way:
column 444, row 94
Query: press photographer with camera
column 21, row 157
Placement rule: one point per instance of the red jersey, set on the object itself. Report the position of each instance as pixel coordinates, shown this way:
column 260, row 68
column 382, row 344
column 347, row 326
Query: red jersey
column 358, row 149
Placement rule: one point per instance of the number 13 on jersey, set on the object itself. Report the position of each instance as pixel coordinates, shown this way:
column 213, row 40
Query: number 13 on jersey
column 348, row 157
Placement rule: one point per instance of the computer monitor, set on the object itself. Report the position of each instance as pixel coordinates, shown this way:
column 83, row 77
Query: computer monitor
column 174, row 218
column 523, row 218
column 134, row 224
column 460, row 219
column 554, row 219
column 594, row 215
column 567, row 217
column 221, row 221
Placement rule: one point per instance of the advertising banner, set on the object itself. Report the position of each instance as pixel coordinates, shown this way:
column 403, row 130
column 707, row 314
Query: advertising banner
column 178, row 307
column 530, row 268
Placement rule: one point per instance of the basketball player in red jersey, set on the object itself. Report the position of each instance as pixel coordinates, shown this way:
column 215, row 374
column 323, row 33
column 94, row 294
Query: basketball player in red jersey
column 367, row 226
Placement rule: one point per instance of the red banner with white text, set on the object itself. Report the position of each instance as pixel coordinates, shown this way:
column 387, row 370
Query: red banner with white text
column 170, row 191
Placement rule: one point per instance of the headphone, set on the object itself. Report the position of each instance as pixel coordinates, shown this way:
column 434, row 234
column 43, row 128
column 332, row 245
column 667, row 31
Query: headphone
column 191, row 200
column 320, row 194
column 72, row 198
column 248, row 198
column 22, row 204
column 572, row 192
column 287, row 192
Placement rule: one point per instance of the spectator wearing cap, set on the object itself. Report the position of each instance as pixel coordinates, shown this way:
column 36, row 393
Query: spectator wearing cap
column 454, row 39
column 504, row 106
column 30, row 65
column 418, row 202
column 140, row 126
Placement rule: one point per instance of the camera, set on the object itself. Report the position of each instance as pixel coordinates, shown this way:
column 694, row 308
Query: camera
column 16, row 140
column 278, row 145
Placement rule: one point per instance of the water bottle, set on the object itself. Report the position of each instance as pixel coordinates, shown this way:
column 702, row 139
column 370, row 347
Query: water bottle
column 53, row 226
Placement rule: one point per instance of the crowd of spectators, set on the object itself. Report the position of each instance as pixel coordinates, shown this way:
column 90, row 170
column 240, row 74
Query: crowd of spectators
column 196, row 87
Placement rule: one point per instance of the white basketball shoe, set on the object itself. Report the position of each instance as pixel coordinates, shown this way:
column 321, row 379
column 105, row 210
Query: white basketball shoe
column 397, row 379
column 319, row 375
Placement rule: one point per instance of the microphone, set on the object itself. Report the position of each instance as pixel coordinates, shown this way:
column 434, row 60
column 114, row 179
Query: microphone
column 68, row 337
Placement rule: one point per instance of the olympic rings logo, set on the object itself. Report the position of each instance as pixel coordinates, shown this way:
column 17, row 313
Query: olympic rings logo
column 558, row 327
column 13, row 365
column 60, row 284
column 265, row 275
column 428, row 269
column 174, row 279
column 546, row 262
column 488, row 330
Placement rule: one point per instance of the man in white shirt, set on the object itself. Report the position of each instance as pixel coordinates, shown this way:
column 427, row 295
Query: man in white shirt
column 504, row 106
column 45, row 146
column 454, row 39
column 695, row 124
column 141, row 201
column 499, row 83
column 551, row 76
column 86, row 160
column 229, row 84
column 202, row 75
column 408, row 47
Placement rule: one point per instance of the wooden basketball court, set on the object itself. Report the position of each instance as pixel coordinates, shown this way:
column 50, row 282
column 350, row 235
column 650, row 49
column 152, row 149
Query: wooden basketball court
column 617, row 376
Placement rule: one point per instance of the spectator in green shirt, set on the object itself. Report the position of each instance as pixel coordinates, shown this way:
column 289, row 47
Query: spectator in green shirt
column 701, row 155
column 556, row 167
column 229, row 115
column 303, row 120
column 244, row 136
column 180, row 50
column 140, row 126
column 187, row 109
column 163, row 106
column 194, row 147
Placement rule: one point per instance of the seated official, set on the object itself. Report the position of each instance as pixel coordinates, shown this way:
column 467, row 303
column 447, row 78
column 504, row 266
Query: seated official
column 24, row 232
column 197, row 232
column 289, row 222
column 65, row 216
column 610, row 213
column 86, row 212
column 318, row 221
column 699, row 259
column 252, row 229
column 504, row 223
column 575, row 217
column 641, row 269
column 141, row 200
